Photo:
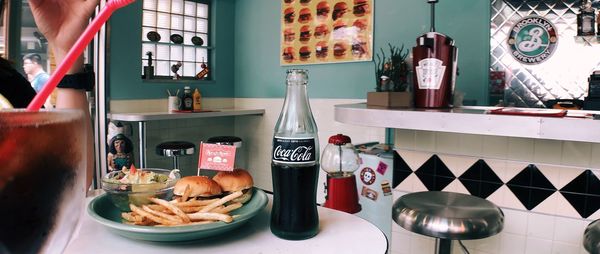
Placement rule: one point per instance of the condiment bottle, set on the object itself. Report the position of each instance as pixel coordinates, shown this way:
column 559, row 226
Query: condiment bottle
column 197, row 103
column 187, row 101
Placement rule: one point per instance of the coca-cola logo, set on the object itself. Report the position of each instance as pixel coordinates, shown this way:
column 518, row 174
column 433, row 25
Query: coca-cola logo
column 299, row 154
column 294, row 150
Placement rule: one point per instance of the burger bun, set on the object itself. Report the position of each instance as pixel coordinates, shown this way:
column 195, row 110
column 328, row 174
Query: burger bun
column 200, row 186
column 236, row 180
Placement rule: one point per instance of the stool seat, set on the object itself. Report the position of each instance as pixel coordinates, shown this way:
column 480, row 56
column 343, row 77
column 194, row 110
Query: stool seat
column 175, row 148
column 591, row 237
column 448, row 215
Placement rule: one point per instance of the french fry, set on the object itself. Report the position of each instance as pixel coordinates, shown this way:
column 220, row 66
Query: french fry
column 186, row 193
column 172, row 218
column 211, row 216
column 150, row 216
column 228, row 208
column 173, row 209
column 221, row 201
column 191, row 209
column 130, row 217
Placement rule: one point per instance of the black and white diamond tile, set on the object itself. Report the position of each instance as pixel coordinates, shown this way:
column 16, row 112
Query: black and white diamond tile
column 550, row 189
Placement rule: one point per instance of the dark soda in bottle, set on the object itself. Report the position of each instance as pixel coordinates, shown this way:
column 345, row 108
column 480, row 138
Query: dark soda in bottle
column 295, row 164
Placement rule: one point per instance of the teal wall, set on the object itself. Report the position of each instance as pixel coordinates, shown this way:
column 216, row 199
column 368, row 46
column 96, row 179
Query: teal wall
column 247, row 50
column 125, row 54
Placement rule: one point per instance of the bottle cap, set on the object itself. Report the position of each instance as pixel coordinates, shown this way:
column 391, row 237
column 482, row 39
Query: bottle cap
column 339, row 139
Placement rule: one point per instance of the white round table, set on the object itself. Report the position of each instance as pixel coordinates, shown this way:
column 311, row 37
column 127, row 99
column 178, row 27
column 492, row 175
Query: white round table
column 339, row 232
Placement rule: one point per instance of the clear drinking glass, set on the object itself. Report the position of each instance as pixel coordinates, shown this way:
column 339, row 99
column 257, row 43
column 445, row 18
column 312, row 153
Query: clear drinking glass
column 42, row 179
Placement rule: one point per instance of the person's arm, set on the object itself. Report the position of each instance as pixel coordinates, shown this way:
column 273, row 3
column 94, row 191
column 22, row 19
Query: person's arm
column 62, row 22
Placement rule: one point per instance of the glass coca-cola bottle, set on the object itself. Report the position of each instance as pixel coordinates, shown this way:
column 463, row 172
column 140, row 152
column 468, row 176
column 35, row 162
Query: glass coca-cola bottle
column 295, row 164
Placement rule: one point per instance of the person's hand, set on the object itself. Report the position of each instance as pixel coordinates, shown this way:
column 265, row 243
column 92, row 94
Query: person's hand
column 62, row 22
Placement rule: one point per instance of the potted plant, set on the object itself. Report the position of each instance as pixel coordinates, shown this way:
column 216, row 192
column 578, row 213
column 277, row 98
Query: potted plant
column 391, row 77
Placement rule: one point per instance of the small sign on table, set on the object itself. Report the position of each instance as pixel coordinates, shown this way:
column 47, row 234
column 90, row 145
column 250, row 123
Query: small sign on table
column 216, row 157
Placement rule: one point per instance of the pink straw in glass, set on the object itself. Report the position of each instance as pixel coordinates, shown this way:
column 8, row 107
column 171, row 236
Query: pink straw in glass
column 76, row 51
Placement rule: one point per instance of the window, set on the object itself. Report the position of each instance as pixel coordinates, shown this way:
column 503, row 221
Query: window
column 176, row 33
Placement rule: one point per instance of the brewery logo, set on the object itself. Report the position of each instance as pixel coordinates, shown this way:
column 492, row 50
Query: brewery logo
column 430, row 73
column 532, row 40
column 293, row 150
column 367, row 176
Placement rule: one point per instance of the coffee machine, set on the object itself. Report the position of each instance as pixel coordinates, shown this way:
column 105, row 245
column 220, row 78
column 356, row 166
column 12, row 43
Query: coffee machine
column 434, row 68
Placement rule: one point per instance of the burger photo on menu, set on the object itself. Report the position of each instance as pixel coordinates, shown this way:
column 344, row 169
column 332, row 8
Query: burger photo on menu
column 289, row 15
column 304, row 16
column 304, row 53
column 323, row 10
column 289, row 35
column 360, row 24
column 339, row 29
column 321, row 31
column 236, row 180
column 321, row 50
column 339, row 9
column 339, row 50
column 361, row 7
column 288, row 54
column 304, row 34
column 304, row 2
column 359, row 47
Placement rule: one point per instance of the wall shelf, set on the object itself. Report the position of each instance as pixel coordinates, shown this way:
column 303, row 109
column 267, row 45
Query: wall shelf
column 473, row 120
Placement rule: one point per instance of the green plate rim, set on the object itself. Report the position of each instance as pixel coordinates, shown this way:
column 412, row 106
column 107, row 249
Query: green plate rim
column 258, row 194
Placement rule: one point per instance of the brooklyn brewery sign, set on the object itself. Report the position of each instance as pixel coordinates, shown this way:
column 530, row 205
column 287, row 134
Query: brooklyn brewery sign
column 532, row 40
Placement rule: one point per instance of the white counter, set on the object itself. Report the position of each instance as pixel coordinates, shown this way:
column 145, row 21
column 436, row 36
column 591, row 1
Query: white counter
column 472, row 120
column 339, row 232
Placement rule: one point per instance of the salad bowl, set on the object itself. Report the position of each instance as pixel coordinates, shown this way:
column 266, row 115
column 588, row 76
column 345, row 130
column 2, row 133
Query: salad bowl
column 135, row 186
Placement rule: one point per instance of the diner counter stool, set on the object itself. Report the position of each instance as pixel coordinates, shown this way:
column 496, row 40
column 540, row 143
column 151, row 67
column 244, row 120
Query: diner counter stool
column 591, row 237
column 175, row 149
column 447, row 216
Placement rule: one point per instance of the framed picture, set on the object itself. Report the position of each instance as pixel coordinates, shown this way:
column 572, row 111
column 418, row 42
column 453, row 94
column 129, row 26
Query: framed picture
column 325, row 31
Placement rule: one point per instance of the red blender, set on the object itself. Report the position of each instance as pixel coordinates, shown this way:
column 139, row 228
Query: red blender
column 340, row 160
column 434, row 68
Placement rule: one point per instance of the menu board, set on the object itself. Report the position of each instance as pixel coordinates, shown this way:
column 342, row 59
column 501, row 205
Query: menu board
column 325, row 31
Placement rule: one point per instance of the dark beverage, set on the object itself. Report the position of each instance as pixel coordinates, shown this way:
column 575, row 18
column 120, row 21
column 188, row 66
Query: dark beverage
column 41, row 179
column 296, row 194
column 295, row 164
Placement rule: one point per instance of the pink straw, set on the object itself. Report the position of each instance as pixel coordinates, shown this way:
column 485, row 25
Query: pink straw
column 76, row 51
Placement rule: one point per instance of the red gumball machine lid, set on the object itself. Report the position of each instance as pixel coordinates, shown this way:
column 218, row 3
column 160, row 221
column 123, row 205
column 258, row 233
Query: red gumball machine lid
column 339, row 139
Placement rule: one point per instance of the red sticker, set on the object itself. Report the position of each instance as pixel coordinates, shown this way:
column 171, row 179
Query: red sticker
column 367, row 176
column 216, row 157
column 381, row 168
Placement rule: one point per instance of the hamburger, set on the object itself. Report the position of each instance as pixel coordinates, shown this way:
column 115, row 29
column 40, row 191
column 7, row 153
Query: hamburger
column 288, row 54
column 304, row 2
column 323, row 10
column 289, row 35
column 236, row 180
column 304, row 34
column 360, row 8
column 359, row 48
column 289, row 15
column 321, row 31
column 360, row 24
column 304, row 53
column 339, row 10
column 201, row 187
column 339, row 50
column 304, row 15
column 321, row 50
column 288, row 1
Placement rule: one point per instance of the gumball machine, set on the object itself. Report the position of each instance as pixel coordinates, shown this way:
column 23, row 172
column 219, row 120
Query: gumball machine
column 340, row 160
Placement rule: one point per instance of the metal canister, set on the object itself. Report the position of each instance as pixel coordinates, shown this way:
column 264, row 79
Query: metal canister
column 434, row 68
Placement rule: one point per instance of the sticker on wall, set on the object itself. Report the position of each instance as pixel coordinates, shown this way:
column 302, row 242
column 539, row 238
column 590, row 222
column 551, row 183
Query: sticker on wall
column 369, row 193
column 381, row 168
column 367, row 176
column 386, row 188
column 532, row 40
column 322, row 31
